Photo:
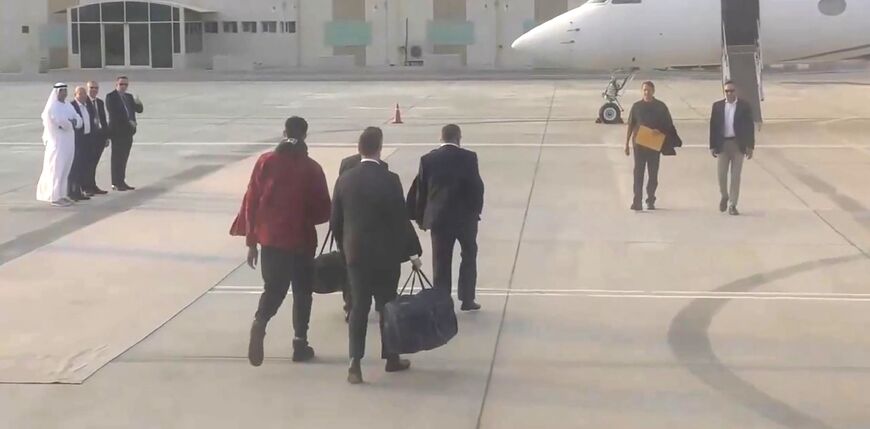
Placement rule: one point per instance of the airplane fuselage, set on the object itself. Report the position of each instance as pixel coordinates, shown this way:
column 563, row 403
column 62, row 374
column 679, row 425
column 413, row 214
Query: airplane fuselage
column 615, row 34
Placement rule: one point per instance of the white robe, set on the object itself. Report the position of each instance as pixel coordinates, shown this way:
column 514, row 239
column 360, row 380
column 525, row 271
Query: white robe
column 60, row 147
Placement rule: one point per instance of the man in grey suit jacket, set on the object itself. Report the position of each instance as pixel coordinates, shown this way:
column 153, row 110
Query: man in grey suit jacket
column 732, row 138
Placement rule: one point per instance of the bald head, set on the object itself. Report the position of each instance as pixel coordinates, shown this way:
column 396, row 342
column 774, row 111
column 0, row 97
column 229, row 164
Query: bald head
column 81, row 94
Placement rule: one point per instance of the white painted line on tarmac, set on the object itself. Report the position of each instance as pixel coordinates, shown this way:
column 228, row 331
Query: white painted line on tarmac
column 27, row 124
column 634, row 294
column 498, row 145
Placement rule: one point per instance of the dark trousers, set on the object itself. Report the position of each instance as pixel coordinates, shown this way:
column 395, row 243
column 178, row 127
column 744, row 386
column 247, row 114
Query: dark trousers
column 98, row 145
column 646, row 159
column 367, row 283
column 121, row 145
column 281, row 268
column 79, row 167
column 443, row 240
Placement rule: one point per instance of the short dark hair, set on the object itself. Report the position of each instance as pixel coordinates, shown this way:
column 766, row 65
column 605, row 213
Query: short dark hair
column 296, row 128
column 121, row 77
column 648, row 82
column 370, row 141
column 729, row 82
column 451, row 133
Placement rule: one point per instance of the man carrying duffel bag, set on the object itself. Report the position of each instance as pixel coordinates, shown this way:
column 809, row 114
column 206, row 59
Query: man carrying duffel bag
column 421, row 321
column 372, row 229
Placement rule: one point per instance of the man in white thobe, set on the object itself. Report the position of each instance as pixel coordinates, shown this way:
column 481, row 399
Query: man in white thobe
column 59, row 121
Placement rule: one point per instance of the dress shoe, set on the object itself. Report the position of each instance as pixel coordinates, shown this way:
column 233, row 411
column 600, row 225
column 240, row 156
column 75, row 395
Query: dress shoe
column 650, row 206
column 723, row 204
column 470, row 306
column 397, row 365
column 61, row 203
column 733, row 211
column 255, row 346
column 354, row 373
column 637, row 207
column 119, row 188
column 79, row 197
column 97, row 191
column 129, row 188
column 301, row 350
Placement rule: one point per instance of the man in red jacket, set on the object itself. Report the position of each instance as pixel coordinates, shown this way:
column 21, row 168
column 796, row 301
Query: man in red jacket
column 287, row 196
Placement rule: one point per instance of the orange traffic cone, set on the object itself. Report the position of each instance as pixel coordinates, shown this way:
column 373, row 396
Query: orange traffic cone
column 397, row 118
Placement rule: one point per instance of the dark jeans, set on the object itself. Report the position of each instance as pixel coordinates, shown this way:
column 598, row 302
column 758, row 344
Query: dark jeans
column 367, row 283
column 121, row 146
column 443, row 240
column 646, row 159
column 281, row 268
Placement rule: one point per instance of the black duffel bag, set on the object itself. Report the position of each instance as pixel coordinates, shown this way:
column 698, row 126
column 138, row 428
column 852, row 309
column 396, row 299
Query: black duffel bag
column 330, row 271
column 421, row 321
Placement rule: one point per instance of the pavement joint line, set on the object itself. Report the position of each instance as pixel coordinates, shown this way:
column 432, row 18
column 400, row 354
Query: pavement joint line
column 516, row 257
column 6, row 127
column 816, row 212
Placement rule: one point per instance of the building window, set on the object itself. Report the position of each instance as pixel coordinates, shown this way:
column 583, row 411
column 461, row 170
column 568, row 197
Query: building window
column 176, row 38
column 249, row 27
column 291, row 26
column 211, row 27
column 75, row 39
column 113, row 12
column 192, row 37
column 270, row 26
column 231, row 27
column 25, row 29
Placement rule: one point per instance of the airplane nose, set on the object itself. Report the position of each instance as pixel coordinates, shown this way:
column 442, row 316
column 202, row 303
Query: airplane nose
column 523, row 43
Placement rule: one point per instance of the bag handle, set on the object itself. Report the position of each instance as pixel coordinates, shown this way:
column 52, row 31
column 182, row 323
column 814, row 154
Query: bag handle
column 414, row 278
column 330, row 238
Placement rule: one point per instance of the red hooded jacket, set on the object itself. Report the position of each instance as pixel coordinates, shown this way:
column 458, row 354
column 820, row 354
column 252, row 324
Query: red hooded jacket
column 287, row 196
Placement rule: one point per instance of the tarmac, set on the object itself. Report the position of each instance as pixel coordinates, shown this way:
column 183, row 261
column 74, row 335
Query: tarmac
column 132, row 310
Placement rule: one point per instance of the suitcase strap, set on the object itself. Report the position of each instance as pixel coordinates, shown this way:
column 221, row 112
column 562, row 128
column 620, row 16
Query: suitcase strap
column 416, row 277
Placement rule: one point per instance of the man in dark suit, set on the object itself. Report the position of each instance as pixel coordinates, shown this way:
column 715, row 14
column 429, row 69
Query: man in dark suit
column 83, row 143
column 122, row 108
column 372, row 229
column 732, row 138
column 347, row 164
column 449, row 202
column 100, row 139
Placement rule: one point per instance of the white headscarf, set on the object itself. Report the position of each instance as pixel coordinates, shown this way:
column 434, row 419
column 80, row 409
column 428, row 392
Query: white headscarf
column 50, row 104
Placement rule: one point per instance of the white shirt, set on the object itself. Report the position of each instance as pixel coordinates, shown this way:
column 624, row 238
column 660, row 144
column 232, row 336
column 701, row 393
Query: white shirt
column 730, row 110
column 86, row 116
column 97, row 111
column 370, row 160
column 449, row 144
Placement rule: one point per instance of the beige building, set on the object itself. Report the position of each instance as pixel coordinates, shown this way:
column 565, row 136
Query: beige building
column 281, row 34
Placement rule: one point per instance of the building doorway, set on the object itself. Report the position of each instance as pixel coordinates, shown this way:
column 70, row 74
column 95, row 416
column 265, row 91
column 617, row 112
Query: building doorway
column 132, row 34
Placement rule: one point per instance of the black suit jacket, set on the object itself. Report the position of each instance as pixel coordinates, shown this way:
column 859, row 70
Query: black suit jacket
column 352, row 161
column 449, row 188
column 369, row 219
column 744, row 126
column 97, row 110
column 80, row 132
column 119, row 116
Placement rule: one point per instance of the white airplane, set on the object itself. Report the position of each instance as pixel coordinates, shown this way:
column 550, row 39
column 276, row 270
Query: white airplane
column 624, row 36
